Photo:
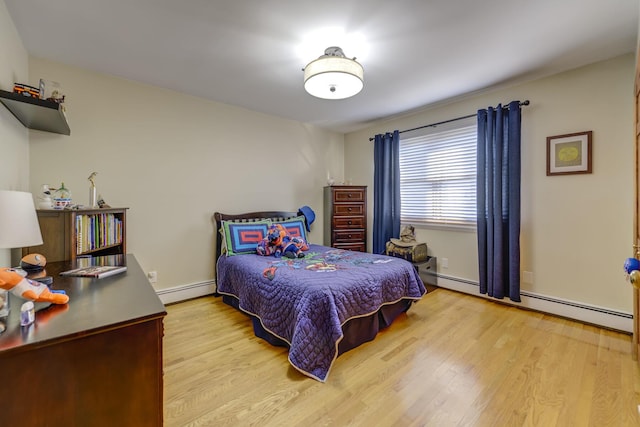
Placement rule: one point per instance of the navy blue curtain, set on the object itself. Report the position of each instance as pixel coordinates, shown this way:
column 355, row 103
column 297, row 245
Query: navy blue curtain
column 386, row 190
column 498, row 200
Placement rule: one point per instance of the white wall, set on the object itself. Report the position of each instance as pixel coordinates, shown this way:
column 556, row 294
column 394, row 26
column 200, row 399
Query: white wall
column 577, row 230
column 14, row 142
column 174, row 160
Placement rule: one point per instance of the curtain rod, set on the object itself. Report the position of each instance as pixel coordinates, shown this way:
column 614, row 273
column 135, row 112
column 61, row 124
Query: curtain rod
column 525, row 102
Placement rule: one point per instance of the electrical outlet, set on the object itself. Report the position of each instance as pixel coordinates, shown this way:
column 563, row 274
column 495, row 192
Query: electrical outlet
column 444, row 262
column 152, row 276
column 527, row 277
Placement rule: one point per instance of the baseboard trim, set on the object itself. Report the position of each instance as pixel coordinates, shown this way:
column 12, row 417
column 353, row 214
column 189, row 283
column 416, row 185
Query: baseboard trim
column 595, row 315
column 185, row 292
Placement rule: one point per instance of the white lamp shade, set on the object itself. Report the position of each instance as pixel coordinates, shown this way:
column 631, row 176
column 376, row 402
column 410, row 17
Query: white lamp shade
column 19, row 225
column 333, row 77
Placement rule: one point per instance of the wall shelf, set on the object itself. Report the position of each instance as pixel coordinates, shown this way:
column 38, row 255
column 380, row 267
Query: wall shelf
column 36, row 113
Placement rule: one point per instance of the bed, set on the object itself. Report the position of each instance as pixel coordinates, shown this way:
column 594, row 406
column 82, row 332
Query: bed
column 319, row 306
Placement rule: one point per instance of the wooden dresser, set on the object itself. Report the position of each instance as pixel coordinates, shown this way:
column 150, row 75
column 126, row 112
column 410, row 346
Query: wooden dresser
column 96, row 360
column 345, row 217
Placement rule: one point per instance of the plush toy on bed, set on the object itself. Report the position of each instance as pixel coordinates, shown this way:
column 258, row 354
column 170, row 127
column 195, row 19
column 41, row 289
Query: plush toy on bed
column 278, row 243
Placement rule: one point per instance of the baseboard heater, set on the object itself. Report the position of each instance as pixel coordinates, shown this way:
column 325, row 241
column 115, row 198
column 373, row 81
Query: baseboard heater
column 586, row 313
column 185, row 292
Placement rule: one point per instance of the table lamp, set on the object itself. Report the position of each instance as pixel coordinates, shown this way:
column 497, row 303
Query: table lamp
column 19, row 228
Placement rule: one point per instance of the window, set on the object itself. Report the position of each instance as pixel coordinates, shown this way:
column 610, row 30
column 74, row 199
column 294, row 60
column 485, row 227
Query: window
column 438, row 176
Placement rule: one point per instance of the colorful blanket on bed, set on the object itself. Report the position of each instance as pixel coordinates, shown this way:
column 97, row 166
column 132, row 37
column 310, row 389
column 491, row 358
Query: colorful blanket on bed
column 306, row 301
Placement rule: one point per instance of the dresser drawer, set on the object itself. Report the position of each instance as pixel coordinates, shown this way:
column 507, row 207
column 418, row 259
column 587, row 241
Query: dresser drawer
column 348, row 236
column 348, row 195
column 347, row 209
column 351, row 246
column 349, row 222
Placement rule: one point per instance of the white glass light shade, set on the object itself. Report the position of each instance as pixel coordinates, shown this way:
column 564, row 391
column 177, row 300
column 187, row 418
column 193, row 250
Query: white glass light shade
column 333, row 77
column 19, row 225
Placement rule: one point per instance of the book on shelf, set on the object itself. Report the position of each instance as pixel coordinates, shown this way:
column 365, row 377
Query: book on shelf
column 95, row 231
column 97, row 271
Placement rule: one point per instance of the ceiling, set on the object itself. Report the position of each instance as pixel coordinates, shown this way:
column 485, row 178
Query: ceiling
column 250, row 53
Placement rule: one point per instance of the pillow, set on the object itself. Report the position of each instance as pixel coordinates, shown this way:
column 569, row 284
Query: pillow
column 243, row 237
column 295, row 227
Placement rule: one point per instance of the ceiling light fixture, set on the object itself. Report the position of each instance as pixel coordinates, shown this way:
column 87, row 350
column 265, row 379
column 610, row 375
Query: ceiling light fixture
column 333, row 76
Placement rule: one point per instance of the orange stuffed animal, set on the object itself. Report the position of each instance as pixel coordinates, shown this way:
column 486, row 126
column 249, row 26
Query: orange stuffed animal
column 22, row 287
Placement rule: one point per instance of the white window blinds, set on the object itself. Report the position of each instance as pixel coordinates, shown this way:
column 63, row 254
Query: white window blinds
column 438, row 177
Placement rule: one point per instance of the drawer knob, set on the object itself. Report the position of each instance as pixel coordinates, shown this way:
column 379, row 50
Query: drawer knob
column 349, row 223
column 349, row 235
column 349, row 209
column 349, row 195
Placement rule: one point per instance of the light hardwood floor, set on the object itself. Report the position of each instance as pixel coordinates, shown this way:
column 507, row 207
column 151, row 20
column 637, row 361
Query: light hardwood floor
column 452, row 360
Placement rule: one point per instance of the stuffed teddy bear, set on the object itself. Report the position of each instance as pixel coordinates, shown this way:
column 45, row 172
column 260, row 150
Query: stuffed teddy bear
column 278, row 243
column 31, row 290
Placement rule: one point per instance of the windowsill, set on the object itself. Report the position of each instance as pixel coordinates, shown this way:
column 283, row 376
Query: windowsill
column 443, row 227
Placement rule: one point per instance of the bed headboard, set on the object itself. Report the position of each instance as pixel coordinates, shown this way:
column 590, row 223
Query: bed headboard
column 245, row 217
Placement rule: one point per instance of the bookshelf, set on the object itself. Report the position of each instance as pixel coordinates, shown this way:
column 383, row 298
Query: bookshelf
column 69, row 234
column 36, row 113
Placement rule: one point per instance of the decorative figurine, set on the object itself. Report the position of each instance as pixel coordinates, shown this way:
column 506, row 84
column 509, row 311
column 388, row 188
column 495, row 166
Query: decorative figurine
column 44, row 201
column 61, row 197
column 92, row 191
column 330, row 181
column 102, row 203
column 57, row 97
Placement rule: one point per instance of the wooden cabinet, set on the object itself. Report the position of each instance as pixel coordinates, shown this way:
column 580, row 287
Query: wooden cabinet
column 345, row 217
column 96, row 360
column 68, row 234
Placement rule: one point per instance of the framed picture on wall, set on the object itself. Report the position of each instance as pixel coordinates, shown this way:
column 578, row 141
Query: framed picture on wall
column 569, row 154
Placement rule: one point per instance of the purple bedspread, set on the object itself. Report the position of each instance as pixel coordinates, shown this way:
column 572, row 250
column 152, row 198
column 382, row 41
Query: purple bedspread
column 306, row 301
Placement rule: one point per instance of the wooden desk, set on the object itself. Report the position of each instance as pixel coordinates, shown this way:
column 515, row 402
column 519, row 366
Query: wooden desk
column 94, row 361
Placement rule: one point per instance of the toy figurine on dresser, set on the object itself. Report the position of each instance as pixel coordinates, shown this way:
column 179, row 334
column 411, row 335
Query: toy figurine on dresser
column 11, row 280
